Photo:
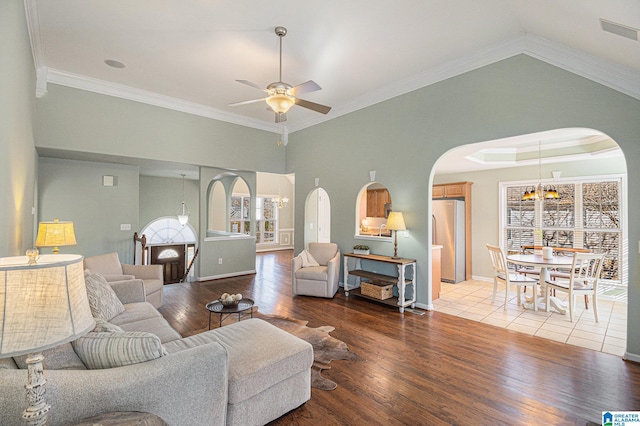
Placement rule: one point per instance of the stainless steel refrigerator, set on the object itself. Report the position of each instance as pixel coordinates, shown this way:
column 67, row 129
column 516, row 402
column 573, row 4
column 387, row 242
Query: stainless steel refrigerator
column 449, row 232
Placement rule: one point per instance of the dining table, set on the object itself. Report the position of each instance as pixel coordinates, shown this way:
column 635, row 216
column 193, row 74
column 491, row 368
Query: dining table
column 545, row 264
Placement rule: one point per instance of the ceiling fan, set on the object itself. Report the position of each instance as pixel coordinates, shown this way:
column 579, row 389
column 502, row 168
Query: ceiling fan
column 282, row 96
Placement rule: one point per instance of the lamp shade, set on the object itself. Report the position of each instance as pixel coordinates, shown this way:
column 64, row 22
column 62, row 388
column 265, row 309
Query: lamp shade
column 42, row 305
column 55, row 234
column 395, row 222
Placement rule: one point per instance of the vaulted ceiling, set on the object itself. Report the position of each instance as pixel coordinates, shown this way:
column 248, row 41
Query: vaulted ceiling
column 187, row 54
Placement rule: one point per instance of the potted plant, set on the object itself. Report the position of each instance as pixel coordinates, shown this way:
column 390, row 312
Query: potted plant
column 360, row 249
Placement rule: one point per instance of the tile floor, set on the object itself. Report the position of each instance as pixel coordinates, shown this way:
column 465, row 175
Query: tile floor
column 472, row 300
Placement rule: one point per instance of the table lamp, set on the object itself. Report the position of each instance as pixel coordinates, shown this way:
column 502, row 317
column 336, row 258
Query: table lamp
column 55, row 234
column 395, row 222
column 42, row 306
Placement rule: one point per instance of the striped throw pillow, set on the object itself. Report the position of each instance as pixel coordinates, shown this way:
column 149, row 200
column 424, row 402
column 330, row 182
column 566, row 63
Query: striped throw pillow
column 99, row 350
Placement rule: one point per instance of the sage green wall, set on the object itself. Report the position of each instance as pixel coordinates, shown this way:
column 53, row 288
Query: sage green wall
column 161, row 197
column 402, row 139
column 19, row 160
column 80, row 121
column 72, row 190
column 238, row 254
column 485, row 198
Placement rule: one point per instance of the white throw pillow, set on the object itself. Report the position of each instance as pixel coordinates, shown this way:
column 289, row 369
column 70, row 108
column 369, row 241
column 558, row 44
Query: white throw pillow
column 307, row 259
column 103, row 301
column 116, row 349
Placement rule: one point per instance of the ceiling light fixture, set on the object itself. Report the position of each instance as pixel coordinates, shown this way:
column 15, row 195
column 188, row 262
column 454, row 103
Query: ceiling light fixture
column 539, row 192
column 280, row 202
column 183, row 214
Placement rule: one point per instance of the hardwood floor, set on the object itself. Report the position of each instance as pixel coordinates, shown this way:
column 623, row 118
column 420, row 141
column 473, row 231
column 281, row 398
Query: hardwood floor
column 426, row 369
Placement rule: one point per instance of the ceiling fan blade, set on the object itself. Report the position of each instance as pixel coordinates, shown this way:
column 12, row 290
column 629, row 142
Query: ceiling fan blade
column 281, row 117
column 254, row 85
column 306, row 87
column 323, row 109
column 251, row 101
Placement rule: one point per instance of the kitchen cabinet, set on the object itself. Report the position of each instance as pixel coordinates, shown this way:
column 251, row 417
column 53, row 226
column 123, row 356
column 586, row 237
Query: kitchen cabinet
column 376, row 201
column 459, row 191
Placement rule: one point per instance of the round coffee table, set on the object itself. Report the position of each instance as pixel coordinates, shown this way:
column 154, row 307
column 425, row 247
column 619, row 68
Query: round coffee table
column 217, row 307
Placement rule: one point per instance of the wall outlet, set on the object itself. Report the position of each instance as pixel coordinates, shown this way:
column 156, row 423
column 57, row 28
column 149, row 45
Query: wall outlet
column 125, row 227
column 219, row 261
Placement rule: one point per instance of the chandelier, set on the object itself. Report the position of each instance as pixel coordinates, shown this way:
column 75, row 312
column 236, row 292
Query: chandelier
column 540, row 192
column 280, row 202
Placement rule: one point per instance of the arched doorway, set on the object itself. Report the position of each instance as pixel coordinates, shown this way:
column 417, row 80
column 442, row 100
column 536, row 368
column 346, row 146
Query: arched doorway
column 317, row 217
column 171, row 245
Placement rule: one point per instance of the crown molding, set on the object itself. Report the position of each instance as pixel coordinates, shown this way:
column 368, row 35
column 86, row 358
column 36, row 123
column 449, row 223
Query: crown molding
column 578, row 62
column 599, row 70
column 130, row 93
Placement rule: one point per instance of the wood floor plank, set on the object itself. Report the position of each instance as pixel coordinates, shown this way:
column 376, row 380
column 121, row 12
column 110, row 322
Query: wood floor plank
column 426, row 369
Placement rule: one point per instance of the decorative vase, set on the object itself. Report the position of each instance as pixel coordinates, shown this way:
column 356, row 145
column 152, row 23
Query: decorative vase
column 357, row 251
column 547, row 252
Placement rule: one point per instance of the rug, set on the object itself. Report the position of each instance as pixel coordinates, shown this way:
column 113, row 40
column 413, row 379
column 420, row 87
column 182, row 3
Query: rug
column 326, row 348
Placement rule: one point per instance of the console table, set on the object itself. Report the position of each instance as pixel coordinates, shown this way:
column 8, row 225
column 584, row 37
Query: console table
column 400, row 280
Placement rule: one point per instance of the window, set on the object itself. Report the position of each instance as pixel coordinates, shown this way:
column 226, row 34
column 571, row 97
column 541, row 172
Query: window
column 587, row 215
column 266, row 220
column 240, row 214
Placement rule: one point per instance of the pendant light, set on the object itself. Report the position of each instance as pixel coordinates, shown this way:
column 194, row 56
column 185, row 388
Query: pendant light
column 539, row 192
column 183, row 214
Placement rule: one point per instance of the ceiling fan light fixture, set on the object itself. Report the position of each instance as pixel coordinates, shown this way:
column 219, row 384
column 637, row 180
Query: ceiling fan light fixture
column 280, row 102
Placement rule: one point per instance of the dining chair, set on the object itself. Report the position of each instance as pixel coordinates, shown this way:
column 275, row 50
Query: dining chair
column 502, row 274
column 583, row 279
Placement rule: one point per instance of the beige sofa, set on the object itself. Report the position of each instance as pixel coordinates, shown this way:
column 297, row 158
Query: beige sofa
column 246, row 373
column 109, row 266
column 321, row 280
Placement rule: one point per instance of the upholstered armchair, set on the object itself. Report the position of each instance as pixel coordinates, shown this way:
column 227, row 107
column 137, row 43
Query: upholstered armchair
column 109, row 266
column 316, row 271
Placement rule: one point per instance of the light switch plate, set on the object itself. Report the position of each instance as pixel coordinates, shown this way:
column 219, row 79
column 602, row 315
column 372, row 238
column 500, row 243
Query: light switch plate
column 125, row 227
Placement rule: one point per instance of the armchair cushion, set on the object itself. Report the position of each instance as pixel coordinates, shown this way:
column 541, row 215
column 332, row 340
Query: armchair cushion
column 103, row 301
column 323, row 252
column 318, row 273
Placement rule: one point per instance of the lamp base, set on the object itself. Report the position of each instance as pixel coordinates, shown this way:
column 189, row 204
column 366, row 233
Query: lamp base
column 36, row 413
column 395, row 245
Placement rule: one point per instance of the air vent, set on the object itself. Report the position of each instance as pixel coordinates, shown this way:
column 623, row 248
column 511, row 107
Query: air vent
column 621, row 30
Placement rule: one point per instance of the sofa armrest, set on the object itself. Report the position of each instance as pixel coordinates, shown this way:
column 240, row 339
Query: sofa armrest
column 185, row 388
column 145, row 272
column 129, row 291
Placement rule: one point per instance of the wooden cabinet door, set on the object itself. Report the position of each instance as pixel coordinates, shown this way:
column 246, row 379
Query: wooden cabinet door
column 437, row 191
column 454, row 191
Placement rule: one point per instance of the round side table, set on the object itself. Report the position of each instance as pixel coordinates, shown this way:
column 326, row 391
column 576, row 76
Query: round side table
column 225, row 311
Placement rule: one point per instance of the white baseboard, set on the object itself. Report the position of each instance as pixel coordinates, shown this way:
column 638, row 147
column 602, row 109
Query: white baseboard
column 229, row 275
column 631, row 357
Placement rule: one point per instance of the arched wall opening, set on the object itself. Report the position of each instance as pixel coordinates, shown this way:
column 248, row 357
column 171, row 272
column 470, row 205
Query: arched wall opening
column 567, row 155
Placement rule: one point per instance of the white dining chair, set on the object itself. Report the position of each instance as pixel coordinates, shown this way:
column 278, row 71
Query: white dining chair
column 502, row 274
column 583, row 280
